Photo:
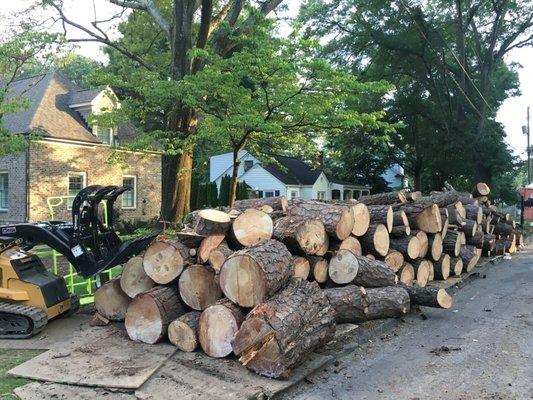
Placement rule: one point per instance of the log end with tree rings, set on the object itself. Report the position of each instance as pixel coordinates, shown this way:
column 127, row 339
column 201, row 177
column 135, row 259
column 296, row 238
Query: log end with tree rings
column 381, row 240
column 394, row 259
column 211, row 222
column 435, row 243
column 361, row 217
column 414, row 247
column 164, row 260
column 345, row 224
column 422, row 272
column 343, row 267
column 311, row 237
column 423, row 242
column 183, row 331
column 407, row 274
column 252, row 226
column 110, row 301
column 429, row 220
column 199, row 287
column 318, row 269
column 481, row 189
column 134, row 279
column 351, row 243
column 217, row 326
column 301, row 267
column 444, row 299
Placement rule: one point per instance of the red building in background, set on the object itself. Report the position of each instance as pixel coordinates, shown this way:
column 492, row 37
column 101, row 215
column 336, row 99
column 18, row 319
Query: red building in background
column 527, row 194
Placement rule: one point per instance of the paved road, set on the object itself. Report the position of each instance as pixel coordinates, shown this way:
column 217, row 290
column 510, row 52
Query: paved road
column 489, row 335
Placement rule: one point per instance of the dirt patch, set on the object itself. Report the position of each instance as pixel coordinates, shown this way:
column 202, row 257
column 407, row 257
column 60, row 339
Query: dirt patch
column 439, row 351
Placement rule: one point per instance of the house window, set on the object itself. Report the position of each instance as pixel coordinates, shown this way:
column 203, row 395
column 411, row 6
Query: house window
column 104, row 134
column 294, row 194
column 4, row 191
column 321, row 195
column 129, row 198
column 76, row 182
column 271, row 193
column 248, row 164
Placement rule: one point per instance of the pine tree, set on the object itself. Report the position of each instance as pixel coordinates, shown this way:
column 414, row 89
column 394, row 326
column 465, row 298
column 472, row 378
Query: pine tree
column 212, row 195
column 201, row 200
column 225, row 183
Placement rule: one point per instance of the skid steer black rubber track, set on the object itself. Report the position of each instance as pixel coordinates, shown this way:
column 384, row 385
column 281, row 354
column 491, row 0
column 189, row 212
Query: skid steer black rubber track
column 18, row 321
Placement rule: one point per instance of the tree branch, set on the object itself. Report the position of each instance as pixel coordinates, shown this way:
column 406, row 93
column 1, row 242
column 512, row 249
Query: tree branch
column 148, row 6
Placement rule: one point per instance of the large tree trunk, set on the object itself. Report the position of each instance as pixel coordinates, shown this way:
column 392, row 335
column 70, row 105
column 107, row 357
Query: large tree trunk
column 134, row 279
column 234, row 177
column 265, row 204
column 253, row 274
column 183, row 331
column 343, row 267
column 383, row 198
column 429, row 296
column 376, row 240
column 301, row 235
column 110, row 301
column 356, row 304
column 409, row 246
column 199, row 287
column 165, row 259
column 250, row 227
column 374, row 273
column 279, row 333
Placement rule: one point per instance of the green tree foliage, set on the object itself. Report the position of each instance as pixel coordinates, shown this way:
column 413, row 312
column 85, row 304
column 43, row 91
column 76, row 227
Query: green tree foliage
column 446, row 60
column 223, row 198
column 243, row 191
column 212, row 194
column 77, row 68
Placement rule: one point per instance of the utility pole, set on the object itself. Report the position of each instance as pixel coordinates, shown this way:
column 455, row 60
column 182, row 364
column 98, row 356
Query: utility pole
column 525, row 131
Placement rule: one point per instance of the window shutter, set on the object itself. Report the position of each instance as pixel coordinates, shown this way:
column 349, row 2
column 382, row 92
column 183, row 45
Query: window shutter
column 276, row 193
column 260, row 194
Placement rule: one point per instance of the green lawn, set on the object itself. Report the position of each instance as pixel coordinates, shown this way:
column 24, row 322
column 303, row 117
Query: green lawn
column 8, row 360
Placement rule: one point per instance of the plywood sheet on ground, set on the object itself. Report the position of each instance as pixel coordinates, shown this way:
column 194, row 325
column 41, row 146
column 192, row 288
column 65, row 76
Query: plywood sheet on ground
column 48, row 390
column 196, row 376
column 108, row 360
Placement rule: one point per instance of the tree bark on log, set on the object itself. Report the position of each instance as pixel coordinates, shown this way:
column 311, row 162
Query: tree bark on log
column 374, row 273
column 265, row 204
column 452, row 243
column 394, row 259
column 429, row 296
column 354, row 304
column 279, row 333
column 300, row 267
column 211, row 222
column 217, row 326
column 474, row 213
column 383, row 198
column 110, row 301
column 435, row 245
column 441, row 268
column 343, row 267
column 301, row 235
column 456, row 266
column 431, row 270
column 134, row 279
column 476, row 239
column 183, row 331
column 489, row 241
column 469, row 227
column 441, row 199
column 318, row 268
column 218, row 256
column 253, row 274
column 407, row 274
column 400, row 231
column 399, row 218
column 382, row 214
column 409, row 246
column 150, row 313
column 423, row 216
column 208, row 244
column 250, row 227
column 422, row 271
column 376, row 240
column 470, row 257
column 423, row 240
column 165, row 259
column 413, row 196
column 480, row 189
column 199, row 287
column 338, row 220
column 502, row 229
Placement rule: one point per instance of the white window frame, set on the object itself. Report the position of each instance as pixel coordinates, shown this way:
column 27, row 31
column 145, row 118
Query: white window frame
column 84, row 185
column 111, row 134
column 318, row 195
column 134, row 192
column 294, row 194
column 2, row 209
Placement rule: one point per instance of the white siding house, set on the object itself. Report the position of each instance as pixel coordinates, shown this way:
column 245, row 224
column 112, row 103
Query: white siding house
column 291, row 178
column 395, row 177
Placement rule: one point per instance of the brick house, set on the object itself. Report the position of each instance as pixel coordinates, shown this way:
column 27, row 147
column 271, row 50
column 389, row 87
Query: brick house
column 69, row 155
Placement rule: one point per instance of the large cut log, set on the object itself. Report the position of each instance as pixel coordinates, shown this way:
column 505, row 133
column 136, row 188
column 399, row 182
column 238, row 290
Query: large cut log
column 429, row 296
column 150, row 313
column 406, row 274
column 318, row 269
column 413, row 196
column 211, row 222
column 441, row 199
column 445, row 225
column 338, row 220
column 356, row 304
column 301, row 235
column 343, row 267
column 218, row 256
column 110, row 301
column 422, row 271
column 374, row 273
column 250, row 227
column 489, row 241
column 431, row 271
column 423, row 240
column 265, row 204
column 435, row 245
column 456, row 266
column 469, row 227
column 134, row 279
column 208, row 244
column 452, row 243
column 300, row 267
column 409, row 246
column 394, row 259
column 190, row 238
column 183, row 331
column 400, row 231
column 474, row 213
column 165, row 259
column 217, row 326
column 441, row 268
column 481, row 189
column 476, row 239
column 199, row 287
column 278, row 334
column 376, row 240
column 503, row 229
column 470, row 257
column 423, row 216
column 383, row 198
column 253, row 274
column 382, row 214
column 361, row 217
column 400, row 218
column 350, row 243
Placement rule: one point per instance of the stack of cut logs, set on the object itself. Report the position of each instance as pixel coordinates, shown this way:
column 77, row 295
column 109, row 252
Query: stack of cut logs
column 269, row 279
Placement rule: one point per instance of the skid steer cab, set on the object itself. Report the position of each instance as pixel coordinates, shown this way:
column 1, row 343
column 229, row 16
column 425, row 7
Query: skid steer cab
column 29, row 294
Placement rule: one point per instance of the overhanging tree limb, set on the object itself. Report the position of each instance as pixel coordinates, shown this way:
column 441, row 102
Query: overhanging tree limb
column 148, row 6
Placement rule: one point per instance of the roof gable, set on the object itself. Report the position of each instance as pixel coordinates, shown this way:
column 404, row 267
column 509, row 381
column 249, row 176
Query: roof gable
column 293, row 171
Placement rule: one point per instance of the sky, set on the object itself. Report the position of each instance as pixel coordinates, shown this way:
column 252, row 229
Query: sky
column 512, row 114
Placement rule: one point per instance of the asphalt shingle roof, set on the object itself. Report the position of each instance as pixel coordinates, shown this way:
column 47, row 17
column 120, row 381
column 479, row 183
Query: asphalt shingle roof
column 295, row 171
